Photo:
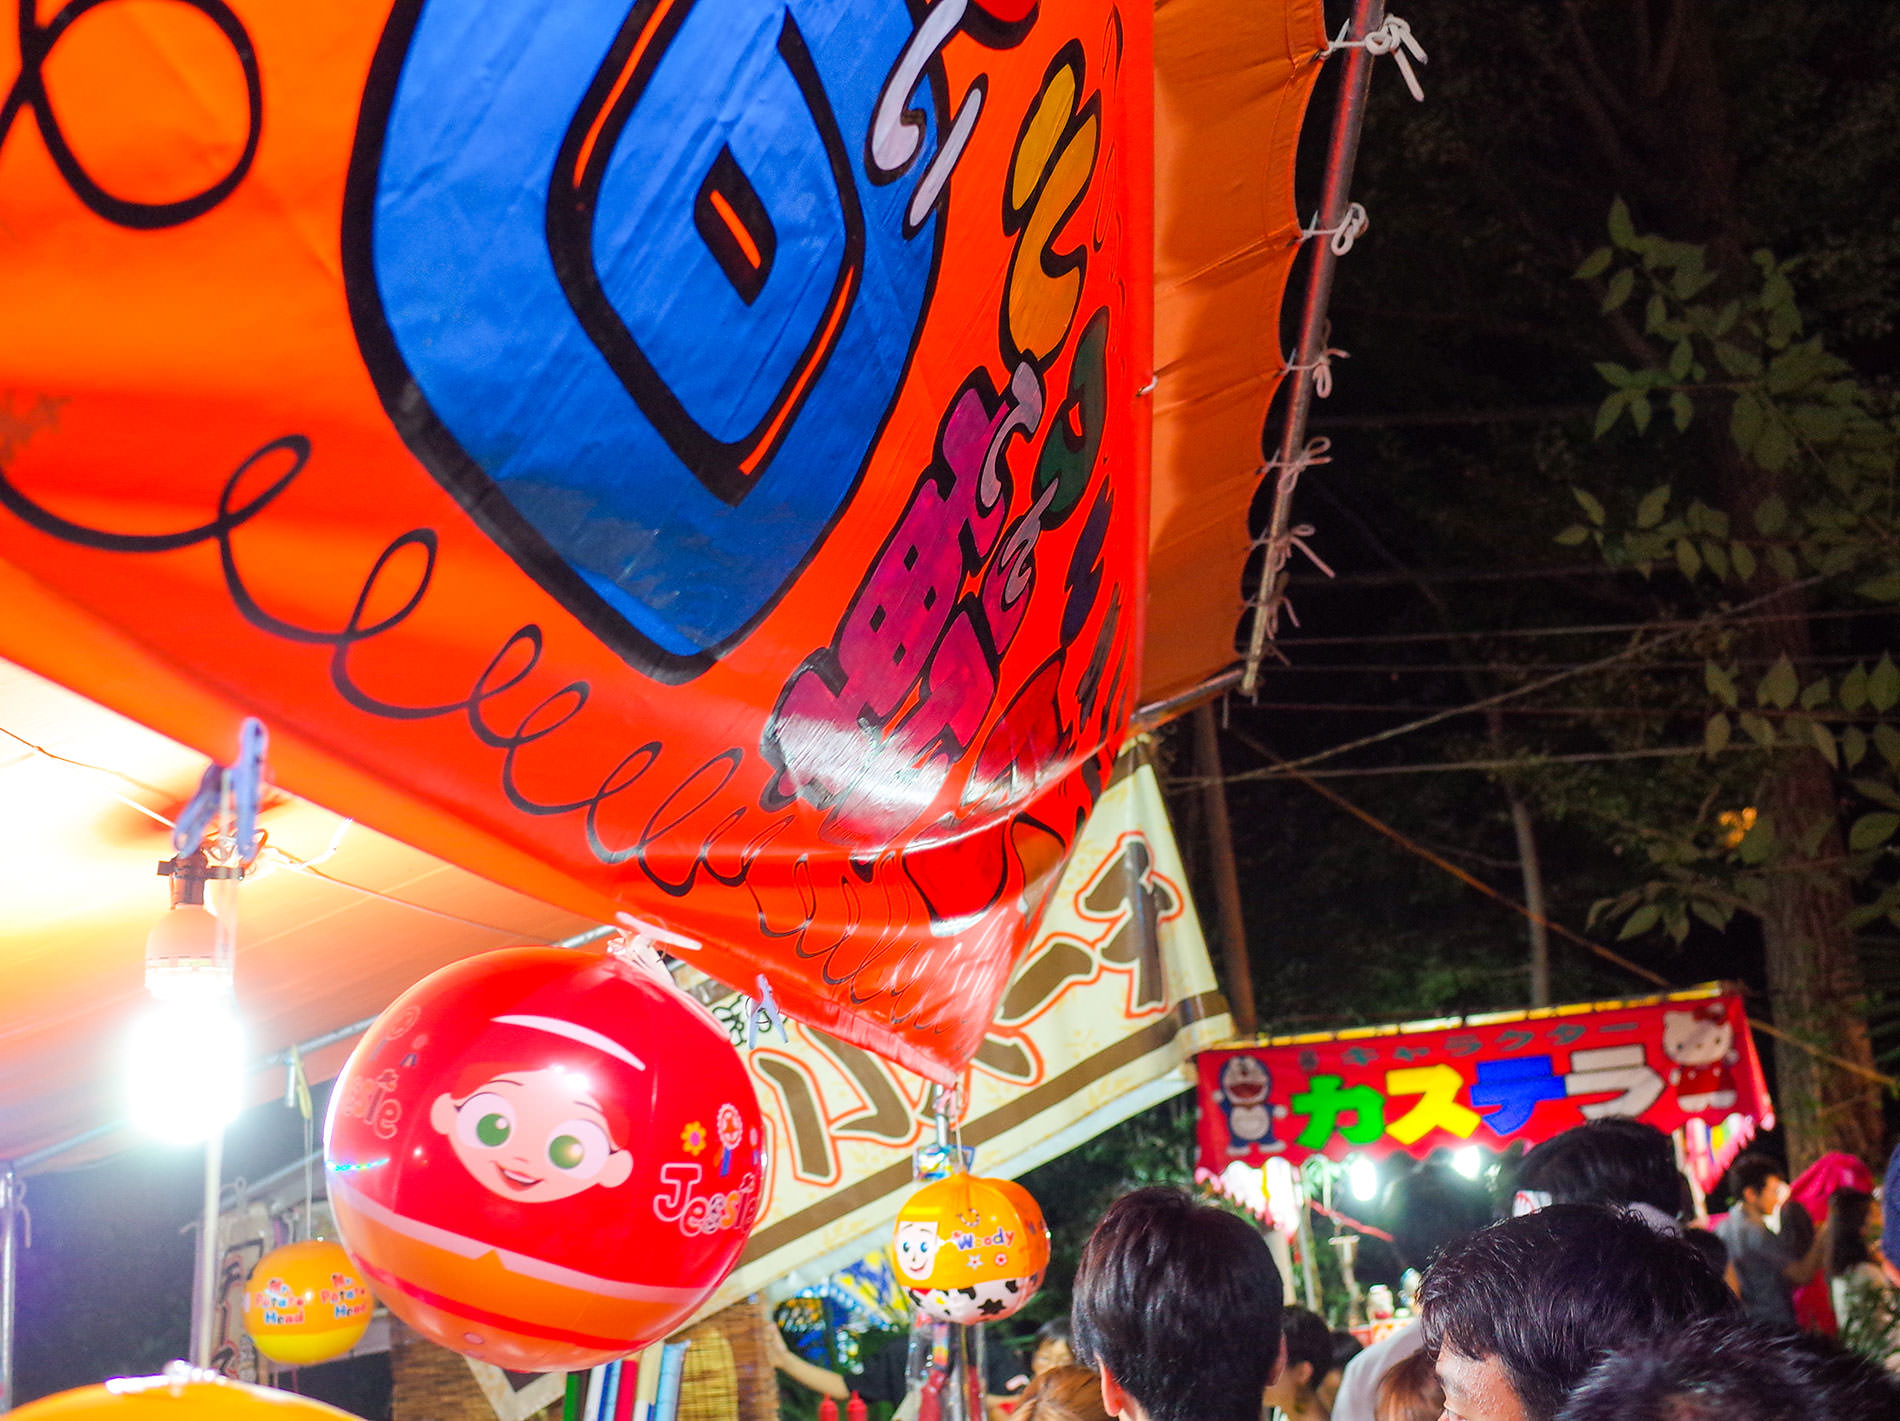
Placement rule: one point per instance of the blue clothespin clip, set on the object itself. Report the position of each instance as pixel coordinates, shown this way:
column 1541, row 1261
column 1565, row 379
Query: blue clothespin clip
column 247, row 787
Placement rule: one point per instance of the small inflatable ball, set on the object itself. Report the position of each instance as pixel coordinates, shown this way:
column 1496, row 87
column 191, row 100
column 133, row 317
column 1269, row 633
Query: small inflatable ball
column 306, row 1303
column 970, row 1249
column 544, row 1159
column 182, row 1394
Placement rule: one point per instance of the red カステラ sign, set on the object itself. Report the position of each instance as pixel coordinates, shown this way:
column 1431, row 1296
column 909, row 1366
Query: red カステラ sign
column 1671, row 1062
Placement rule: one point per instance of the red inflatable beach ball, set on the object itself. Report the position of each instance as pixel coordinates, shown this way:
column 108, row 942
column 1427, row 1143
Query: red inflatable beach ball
column 543, row 1158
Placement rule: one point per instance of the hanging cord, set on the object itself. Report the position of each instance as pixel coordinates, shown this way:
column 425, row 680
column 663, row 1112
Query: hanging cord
column 1395, row 38
column 1341, row 236
column 297, row 1093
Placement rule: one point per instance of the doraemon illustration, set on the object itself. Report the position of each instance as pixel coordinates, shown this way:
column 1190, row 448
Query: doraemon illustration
column 1245, row 1084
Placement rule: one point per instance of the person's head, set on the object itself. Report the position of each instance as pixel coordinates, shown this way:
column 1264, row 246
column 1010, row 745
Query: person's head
column 1430, row 1207
column 1063, row 1393
column 1178, row 1305
column 1309, row 1356
column 1758, row 1183
column 1516, row 1314
column 1345, row 1348
column 1728, row 1370
column 1849, row 1211
column 1409, row 1391
column 1609, row 1161
column 1054, row 1347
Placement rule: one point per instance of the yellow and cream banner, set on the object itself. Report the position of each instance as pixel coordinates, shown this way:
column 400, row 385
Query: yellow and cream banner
column 1101, row 1018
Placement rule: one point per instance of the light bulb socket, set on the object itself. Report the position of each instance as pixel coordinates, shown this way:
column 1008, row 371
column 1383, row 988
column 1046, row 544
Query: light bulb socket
column 190, row 872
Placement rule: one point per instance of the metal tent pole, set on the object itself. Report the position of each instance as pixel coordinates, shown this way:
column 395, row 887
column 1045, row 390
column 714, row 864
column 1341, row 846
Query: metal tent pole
column 1348, row 118
column 11, row 1189
column 203, row 1320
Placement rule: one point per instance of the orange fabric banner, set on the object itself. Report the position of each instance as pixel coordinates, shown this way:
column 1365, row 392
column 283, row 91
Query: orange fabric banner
column 681, row 458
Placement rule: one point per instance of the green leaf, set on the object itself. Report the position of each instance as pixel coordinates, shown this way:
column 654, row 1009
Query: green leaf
column 1780, row 686
column 1715, row 734
column 1816, row 694
column 1782, row 560
column 1681, row 409
column 1595, row 264
column 1622, row 231
column 1607, row 412
column 1853, row 746
column 1854, row 689
column 1688, row 560
column 1639, row 411
column 1641, row 921
column 1721, row 685
column 1587, row 501
column 1744, row 425
column 1870, row 831
column 1680, row 359
column 1650, row 511
column 1655, row 313
column 1573, row 535
column 1885, row 588
column 1613, row 374
column 1743, row 559
column 1774, row 446
column 1757, row 728
column 1824, row 742
column 1619, row 290
column 1758, row 842
column 1887, row 742
column 1771, row 514
column 1716, row 915
column 1879, row 791
column 1883, row 684
column 1716, row 556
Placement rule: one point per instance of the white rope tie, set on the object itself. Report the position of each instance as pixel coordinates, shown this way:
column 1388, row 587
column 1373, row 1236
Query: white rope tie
column 1395, row 38
column 1349, row 230
column 1280, row 547
column 1320, row 368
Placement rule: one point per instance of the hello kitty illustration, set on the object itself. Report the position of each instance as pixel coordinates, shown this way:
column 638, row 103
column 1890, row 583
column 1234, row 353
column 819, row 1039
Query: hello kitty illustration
column 1245, row 1084
column 1701, row 1043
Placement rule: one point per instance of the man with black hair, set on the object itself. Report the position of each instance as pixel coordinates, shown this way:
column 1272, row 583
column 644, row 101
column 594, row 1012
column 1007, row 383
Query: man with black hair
column 1770, row 1260
column 1178, row 1306
column 1724, row 1370
column 1615, row 1161
column 1427, row 1209
column 1518, row 1313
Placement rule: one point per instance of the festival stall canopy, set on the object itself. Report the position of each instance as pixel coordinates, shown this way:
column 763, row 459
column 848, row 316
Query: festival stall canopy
column 1685, row 1062
column 728, row 514
column 1101, row 1019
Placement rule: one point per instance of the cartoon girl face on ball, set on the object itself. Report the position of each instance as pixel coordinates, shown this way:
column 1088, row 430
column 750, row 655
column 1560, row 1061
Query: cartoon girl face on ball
column 533, row 1135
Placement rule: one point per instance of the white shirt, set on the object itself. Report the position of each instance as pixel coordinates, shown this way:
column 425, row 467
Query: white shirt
column 1359, row 1386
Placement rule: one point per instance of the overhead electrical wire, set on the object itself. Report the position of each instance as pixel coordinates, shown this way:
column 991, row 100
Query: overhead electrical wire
column 1412, row 846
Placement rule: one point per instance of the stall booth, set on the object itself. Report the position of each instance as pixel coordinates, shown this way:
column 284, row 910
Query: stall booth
column 1318, row 1123
column 717, row 480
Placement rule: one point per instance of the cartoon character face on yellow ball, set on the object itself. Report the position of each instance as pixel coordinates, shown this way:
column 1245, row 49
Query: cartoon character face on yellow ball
column 533, row 1136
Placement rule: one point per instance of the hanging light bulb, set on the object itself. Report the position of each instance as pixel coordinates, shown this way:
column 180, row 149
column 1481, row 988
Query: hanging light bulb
column 186, row 1053
column 1362, row 1177
column 1468, row 1161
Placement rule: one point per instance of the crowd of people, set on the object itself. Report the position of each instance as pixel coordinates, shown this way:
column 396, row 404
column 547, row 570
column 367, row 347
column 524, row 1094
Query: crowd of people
column 1602, row 1293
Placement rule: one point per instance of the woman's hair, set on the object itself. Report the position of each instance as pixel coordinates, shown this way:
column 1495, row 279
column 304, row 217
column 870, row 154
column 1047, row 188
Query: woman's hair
column 1848, row 1208
column 1056, row 1329
column 1308, row 1340
column 1409, row 1391
column 1062, row 1394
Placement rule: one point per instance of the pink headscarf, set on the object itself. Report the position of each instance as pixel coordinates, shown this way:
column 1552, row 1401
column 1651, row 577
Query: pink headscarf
column 1812, row 1189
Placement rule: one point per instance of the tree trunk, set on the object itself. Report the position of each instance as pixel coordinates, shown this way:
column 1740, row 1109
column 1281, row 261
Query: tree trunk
column 1814, row 975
